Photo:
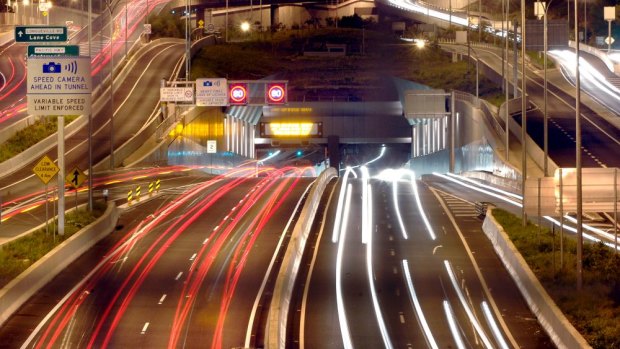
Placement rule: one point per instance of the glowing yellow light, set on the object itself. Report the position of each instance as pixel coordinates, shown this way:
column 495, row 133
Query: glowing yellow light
column 179, row 128
column 112, row 182
column 139, row 177
column 291, row 129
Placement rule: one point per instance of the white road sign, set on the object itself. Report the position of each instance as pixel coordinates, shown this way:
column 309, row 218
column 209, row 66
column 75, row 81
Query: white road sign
column 176, row 94
column 211, row 146
column 211, row 92
column 59, row 85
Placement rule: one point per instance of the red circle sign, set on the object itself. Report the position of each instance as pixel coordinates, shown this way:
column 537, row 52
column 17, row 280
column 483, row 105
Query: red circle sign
column 276, row 94
column 238, row 94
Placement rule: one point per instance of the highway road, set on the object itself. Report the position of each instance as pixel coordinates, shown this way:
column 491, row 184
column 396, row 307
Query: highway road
column 404, row 283
column 182, row 269
column 600, row 138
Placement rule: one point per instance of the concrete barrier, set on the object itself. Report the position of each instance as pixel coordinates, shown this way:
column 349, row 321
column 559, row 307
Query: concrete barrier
column 275, row 336
column 24, row 286
column 551, row 318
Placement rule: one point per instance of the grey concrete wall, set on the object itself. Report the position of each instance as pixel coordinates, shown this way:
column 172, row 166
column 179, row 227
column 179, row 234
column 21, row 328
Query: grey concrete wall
column 557, row 326
column 18, row 291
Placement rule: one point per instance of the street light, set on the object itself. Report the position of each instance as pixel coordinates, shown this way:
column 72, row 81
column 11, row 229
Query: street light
column 245, row 26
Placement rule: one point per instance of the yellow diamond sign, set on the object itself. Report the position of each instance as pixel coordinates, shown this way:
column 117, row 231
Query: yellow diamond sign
column 75, row 178
column 45, row 169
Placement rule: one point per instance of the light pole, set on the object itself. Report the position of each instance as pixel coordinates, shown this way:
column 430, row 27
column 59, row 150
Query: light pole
column 111, row 6
column 540, row 10
column 609, row 15
column 523, row 113
column 507, row 91
column 578, row 157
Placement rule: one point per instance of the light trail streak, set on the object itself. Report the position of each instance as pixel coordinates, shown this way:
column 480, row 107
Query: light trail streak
column 342, row 315
column 371, row 284
column 428, row 335
column 548, row 218
column 454, row 329
column 366, row 225
column 397, row 208
column 470, row 314
column 341, row 197
column 493, row 325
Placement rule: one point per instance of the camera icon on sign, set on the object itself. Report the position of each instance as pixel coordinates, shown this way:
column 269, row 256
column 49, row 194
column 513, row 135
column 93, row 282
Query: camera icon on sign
column 51, row 67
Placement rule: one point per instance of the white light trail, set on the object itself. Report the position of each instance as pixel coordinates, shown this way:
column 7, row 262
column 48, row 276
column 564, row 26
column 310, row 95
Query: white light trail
column 397, row 208
column 518, row 204
column 548, row 218
column 342, row 316
column 371, row 284
column 493, row 325
column 469, row 180
column 260, row 162
column 466, row 307
column 456, row 334
column 428, row 335
column 366, row 226
column 414, row 185
column 341, row 195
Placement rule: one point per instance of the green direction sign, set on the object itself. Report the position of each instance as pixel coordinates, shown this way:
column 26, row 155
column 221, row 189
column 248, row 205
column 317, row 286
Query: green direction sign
column 43, row 51
column 40, row 34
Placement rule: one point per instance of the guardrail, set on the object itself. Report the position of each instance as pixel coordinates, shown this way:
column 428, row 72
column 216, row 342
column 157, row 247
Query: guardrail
column 551, row 318
column 24, row 286
column 275, row 336
column 594, row 51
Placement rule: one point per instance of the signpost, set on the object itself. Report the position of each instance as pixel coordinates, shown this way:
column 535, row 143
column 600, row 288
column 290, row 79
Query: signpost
column 211, row 92
column 50, row 51
column 59, row 85
column 74, row 179
column 211, row 149
column 40, row 34
column 45, row 169
column 176, row 94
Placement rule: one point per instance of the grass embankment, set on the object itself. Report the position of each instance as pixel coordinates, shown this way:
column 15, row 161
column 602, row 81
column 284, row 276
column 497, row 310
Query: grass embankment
column 383, row 56
column 595, row 310
column 30, row 136
column 16, row 256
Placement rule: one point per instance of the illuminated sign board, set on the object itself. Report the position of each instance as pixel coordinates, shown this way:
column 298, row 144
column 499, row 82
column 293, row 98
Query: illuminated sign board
column 291, row 129
column 238, row 94
column 275, row 93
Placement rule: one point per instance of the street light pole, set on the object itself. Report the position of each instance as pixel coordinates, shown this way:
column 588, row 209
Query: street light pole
column 609, row 14
column 507, row 91
column 578, row 158
column 523, row 113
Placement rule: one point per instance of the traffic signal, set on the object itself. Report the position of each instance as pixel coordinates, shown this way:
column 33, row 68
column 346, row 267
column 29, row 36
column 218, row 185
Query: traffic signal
column 238, row 94
column 276, row 93
column 299, row 153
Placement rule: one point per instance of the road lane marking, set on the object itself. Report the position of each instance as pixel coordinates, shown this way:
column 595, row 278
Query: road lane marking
column 146, row 325
column 402, row 317
column 192, row 257
column 178, row 276
column 435, row 249
column 161, row 300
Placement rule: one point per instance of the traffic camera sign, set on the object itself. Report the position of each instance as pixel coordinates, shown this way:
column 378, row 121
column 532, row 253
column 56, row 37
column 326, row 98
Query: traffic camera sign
column 59, row 85
column 211, row 92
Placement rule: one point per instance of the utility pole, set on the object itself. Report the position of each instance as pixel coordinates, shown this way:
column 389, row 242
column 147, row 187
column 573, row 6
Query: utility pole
column 578, row 158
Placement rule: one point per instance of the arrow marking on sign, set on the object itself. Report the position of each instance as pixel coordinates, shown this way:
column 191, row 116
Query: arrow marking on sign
column 76, row 175
column 20, row 33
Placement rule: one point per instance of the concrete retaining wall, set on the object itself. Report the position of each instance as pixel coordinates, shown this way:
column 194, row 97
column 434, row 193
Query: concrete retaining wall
column 275, row 336
column 18, row 291
column 561, row 331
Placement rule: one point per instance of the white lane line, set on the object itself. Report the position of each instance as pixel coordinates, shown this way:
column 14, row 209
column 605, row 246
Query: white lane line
column 161, row 300
column 178, row 276
column 192, row 257
column 402, row 317
column 145, row 327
